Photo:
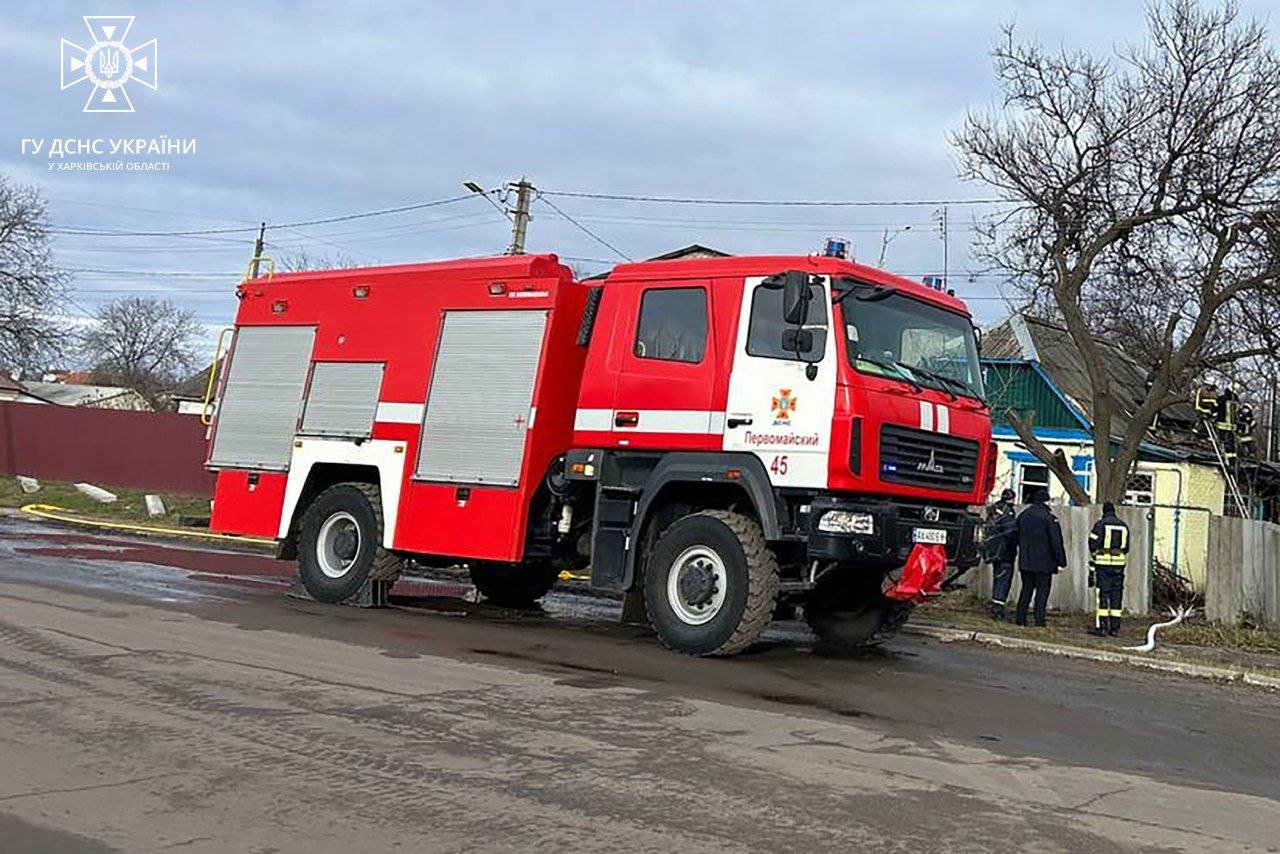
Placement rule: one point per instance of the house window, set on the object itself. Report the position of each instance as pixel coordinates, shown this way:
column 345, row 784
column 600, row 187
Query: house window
column 1031, row 478
column 673, row 325
column 1140, row 490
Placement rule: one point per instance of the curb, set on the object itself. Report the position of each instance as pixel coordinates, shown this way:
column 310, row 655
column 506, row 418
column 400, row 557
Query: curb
column 1195, row 671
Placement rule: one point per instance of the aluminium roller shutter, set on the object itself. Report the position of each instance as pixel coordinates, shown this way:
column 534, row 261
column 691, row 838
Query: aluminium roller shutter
column 342, row 399
column 258, row 414
column 478, row 407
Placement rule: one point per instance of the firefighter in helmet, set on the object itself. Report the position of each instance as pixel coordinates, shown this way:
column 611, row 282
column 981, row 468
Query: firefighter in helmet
column 1246, row 423
column 1224, row 422
column 1206, row 399
column 1109, row 553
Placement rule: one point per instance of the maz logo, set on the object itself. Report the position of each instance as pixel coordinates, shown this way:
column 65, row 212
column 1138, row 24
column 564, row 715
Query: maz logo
column 931, row 465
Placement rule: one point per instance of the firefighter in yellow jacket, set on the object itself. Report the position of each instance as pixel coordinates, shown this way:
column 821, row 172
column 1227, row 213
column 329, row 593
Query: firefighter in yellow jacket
column 1109, row 553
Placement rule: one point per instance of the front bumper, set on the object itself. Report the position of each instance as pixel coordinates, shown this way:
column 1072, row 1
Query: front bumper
column 890, row 541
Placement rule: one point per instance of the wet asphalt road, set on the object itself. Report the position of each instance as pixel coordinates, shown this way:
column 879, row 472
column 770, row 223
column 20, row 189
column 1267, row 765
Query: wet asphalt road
column 155, row 694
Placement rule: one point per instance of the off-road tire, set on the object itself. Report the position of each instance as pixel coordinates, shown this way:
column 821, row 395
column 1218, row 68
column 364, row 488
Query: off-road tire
column 364, row 502
column 514, row 585
column 851, row 617
column 752, row 583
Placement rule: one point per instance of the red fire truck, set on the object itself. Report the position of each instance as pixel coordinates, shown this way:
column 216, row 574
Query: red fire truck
column 723, row 437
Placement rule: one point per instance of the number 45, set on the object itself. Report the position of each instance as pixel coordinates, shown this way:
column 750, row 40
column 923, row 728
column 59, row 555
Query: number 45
column 779, row 465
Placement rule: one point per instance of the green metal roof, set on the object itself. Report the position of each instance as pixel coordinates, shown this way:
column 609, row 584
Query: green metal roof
column 1018, row 386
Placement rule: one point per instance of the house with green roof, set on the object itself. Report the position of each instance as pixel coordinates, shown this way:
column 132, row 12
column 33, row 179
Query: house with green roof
column 1032, row 367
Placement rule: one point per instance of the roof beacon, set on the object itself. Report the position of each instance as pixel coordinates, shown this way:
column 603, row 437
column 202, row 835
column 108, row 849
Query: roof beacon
column 836, row 247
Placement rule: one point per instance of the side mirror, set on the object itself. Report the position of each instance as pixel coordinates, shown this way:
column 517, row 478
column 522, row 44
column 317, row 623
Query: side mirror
column 797, row 341
column 796, row 296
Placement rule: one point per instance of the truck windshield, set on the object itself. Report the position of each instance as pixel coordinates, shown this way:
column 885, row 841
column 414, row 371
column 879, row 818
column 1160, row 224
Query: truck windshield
column 893, row 335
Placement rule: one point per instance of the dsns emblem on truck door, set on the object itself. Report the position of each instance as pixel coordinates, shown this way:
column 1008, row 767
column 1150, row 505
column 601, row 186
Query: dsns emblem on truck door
column 783, row 405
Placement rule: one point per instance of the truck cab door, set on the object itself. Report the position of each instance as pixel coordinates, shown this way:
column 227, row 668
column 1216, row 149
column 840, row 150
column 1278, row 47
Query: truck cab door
column 780, row 403
column 667, row 370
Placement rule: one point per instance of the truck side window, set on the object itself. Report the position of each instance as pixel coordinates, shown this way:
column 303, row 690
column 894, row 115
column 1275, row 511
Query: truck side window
column 764, row 336
column 673, row 325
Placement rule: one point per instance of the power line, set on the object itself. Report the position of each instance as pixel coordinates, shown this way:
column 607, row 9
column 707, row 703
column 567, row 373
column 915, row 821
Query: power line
column 795, row 203
column 173, row 273
column 597, row 238
column 250, row 229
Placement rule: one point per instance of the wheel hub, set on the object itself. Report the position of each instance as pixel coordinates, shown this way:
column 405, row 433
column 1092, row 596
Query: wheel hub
column 344, row 543
column 338, row 544
column 697, row 583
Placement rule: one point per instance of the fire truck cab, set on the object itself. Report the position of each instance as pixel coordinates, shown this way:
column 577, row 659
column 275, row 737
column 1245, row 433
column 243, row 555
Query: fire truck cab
column 716, row 437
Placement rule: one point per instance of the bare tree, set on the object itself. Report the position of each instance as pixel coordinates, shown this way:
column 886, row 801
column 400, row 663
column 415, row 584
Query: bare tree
column 302, row 260
column 1145, row 192
column 31, row 288
column 143, row 343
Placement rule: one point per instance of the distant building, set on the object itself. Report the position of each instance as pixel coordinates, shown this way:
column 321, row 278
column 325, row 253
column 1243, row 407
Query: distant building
column 76, row 394
column 693, row 250
column 187, row 397
column 1033, row 365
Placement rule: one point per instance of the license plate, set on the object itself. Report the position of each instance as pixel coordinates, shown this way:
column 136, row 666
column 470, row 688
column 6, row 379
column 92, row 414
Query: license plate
column 936, row 536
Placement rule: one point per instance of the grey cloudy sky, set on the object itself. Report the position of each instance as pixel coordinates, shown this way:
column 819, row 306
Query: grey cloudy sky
column 306, row 110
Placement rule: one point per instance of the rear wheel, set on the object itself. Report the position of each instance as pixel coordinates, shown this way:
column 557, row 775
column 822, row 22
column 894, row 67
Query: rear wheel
column 850, row 612
column 711, row 583
column 515, row 585
column 340, row 543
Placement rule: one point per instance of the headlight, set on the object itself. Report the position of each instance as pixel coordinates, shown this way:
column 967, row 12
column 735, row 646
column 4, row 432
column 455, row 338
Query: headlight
column 844, row 522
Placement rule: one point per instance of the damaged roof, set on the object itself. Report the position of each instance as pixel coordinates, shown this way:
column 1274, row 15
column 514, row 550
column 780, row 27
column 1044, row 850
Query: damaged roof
column 1032, row 339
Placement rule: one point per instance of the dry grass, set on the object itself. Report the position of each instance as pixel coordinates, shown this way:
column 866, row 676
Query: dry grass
column 128, row 507
column 962, row 610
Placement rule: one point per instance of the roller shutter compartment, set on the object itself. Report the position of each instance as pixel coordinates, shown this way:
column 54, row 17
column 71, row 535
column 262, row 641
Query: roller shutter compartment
column 478, row 408
column 342, row 399
column 258, row 414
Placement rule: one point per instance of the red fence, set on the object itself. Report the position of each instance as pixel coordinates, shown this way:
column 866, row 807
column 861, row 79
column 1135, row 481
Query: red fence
column 159, row 451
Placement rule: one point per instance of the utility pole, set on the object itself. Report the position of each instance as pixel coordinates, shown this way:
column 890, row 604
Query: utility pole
column 946, row 245
column 520, row 216
column 258, row 246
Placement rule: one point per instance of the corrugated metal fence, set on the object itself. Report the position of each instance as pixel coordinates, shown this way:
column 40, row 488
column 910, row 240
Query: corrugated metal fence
column 159, row 451
column 1071, row 590
column 1243, row 571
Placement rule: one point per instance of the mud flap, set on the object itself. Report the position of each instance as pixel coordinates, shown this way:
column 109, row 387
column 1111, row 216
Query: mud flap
column 922, row 575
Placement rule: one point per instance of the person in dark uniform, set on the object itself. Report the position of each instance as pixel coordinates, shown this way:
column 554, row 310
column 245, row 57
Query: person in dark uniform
column 1224, row 421
column 1246, row 423
column 1040, row 555
column 1109, row 552
column 1000, row 547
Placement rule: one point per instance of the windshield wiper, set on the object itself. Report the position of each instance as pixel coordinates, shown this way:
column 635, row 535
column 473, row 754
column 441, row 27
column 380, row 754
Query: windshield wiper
column 894, row 369
column 964, row 387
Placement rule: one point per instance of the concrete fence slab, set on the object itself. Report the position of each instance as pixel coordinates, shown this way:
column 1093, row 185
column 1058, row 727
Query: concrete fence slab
column 1242, row 576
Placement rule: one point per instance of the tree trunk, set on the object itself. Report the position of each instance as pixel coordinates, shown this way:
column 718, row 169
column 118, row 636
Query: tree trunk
column 1055, row 460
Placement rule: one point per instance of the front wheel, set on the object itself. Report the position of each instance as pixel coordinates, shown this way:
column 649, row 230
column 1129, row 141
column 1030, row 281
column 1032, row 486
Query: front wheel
column 711, row 583
column 850, row 612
